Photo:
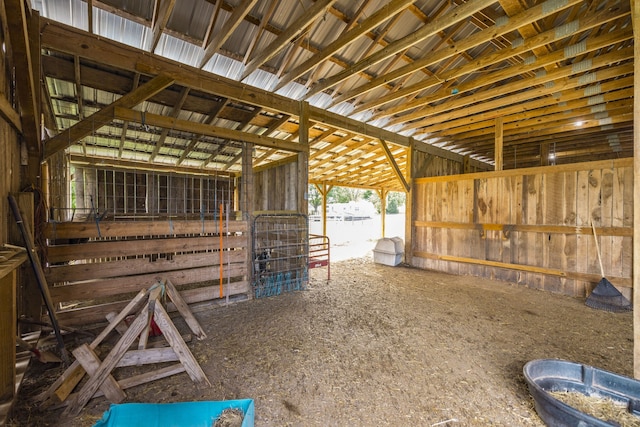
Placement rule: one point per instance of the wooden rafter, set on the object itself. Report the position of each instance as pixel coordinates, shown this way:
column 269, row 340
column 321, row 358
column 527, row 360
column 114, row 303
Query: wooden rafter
column 210, row 119
column 161, row 14
column 203, row 129
column 260, row 30
column 287, row 35
column 125, row 125
column 532, row 84
column 394, row 165
column 227, row 29
column 461, row 13
column 66, row 39
column 90, row 124
column 175, row 111
column 392, row 9
column 463, row 45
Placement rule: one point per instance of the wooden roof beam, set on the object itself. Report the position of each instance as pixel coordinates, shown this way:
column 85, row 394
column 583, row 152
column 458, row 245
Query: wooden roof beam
column 513, row 122
column 261, row 28
column 538, row 123
column 125, row 125
column 161, row 14
column 227, row 29
column 208, row 121
column 175, row 111
column 568, row 99
column 500, row 76
column 206, row 40
column 583, row 24
column 63, row 38
column 528, row 88
column 391, row 9
column 110, row 162
column 394, row 165
column 100, row 118
column 375, row 42
column 204, row 129
column 458, row 14
column 318, row 8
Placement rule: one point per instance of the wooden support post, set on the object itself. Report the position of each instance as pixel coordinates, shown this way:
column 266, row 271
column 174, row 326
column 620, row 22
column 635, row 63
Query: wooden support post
column 382, row 193
column 303, row 160
column 8, row 335
column 466, row 164
column 324, row 190
column 544, row 154
column 409, row 214
column 635, row 18
column 498, row 150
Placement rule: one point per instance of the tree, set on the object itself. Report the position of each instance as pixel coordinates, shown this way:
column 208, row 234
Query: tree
column 374, row 198
column 395, row 199
column 315, row 198
column 344, row 195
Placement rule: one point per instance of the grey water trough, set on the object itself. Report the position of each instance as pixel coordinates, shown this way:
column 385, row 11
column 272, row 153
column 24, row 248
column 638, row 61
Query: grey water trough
column 551, row 375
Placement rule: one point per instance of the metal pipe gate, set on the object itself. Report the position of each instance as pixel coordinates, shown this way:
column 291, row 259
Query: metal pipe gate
column 280, row 254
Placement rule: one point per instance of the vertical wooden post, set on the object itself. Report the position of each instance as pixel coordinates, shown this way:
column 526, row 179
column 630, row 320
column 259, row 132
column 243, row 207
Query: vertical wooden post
column 466, row 164
column 90, row 15
column 303, row 160
column 544, row 154
column 635, row 18
column 382, row 193
column 409, row 214
column 246, row 182
column 498, row 150
column 246, row 202
column 324, row 191
column 8, row 335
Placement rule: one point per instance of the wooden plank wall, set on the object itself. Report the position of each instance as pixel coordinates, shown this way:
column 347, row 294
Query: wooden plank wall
column 275, row 189
column 529, row 226
column 10, row 167
column 91, row 274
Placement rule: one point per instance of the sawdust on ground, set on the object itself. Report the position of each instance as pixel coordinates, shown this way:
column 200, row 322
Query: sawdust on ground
column 379, row 345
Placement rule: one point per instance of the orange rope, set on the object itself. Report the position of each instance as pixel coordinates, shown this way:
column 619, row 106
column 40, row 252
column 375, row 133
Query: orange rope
column 221, row 261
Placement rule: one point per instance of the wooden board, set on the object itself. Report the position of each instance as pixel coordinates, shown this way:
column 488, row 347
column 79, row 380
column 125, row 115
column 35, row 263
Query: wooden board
column 529, row 225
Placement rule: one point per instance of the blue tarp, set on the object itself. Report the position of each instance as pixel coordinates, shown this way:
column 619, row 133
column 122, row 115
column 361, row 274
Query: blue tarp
column 182, row 414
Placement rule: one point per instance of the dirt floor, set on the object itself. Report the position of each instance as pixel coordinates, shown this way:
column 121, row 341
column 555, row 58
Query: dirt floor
column 379, row 346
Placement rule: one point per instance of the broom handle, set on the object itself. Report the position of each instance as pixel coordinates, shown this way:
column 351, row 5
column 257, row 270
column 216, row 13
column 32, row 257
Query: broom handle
column 595, row 237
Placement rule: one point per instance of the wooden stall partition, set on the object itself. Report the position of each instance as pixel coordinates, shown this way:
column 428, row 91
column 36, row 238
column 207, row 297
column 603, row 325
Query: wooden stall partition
column 95, row 268
column 276, row 187
column 529, row 226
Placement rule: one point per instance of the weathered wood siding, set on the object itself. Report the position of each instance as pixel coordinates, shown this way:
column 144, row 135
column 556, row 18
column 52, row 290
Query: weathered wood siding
column 92, row 271
column 529, row 226
column 276, row 189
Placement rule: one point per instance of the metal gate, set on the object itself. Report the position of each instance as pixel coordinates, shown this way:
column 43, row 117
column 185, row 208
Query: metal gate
column 280, row 254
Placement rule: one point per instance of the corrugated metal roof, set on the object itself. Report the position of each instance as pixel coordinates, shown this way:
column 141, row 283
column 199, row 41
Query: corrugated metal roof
column 182, row 41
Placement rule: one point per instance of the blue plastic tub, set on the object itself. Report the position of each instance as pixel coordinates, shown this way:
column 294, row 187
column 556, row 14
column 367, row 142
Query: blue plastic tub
column 182, row 414
column 549, row 375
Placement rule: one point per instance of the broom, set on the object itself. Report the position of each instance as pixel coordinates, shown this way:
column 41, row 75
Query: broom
column 605, row 296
